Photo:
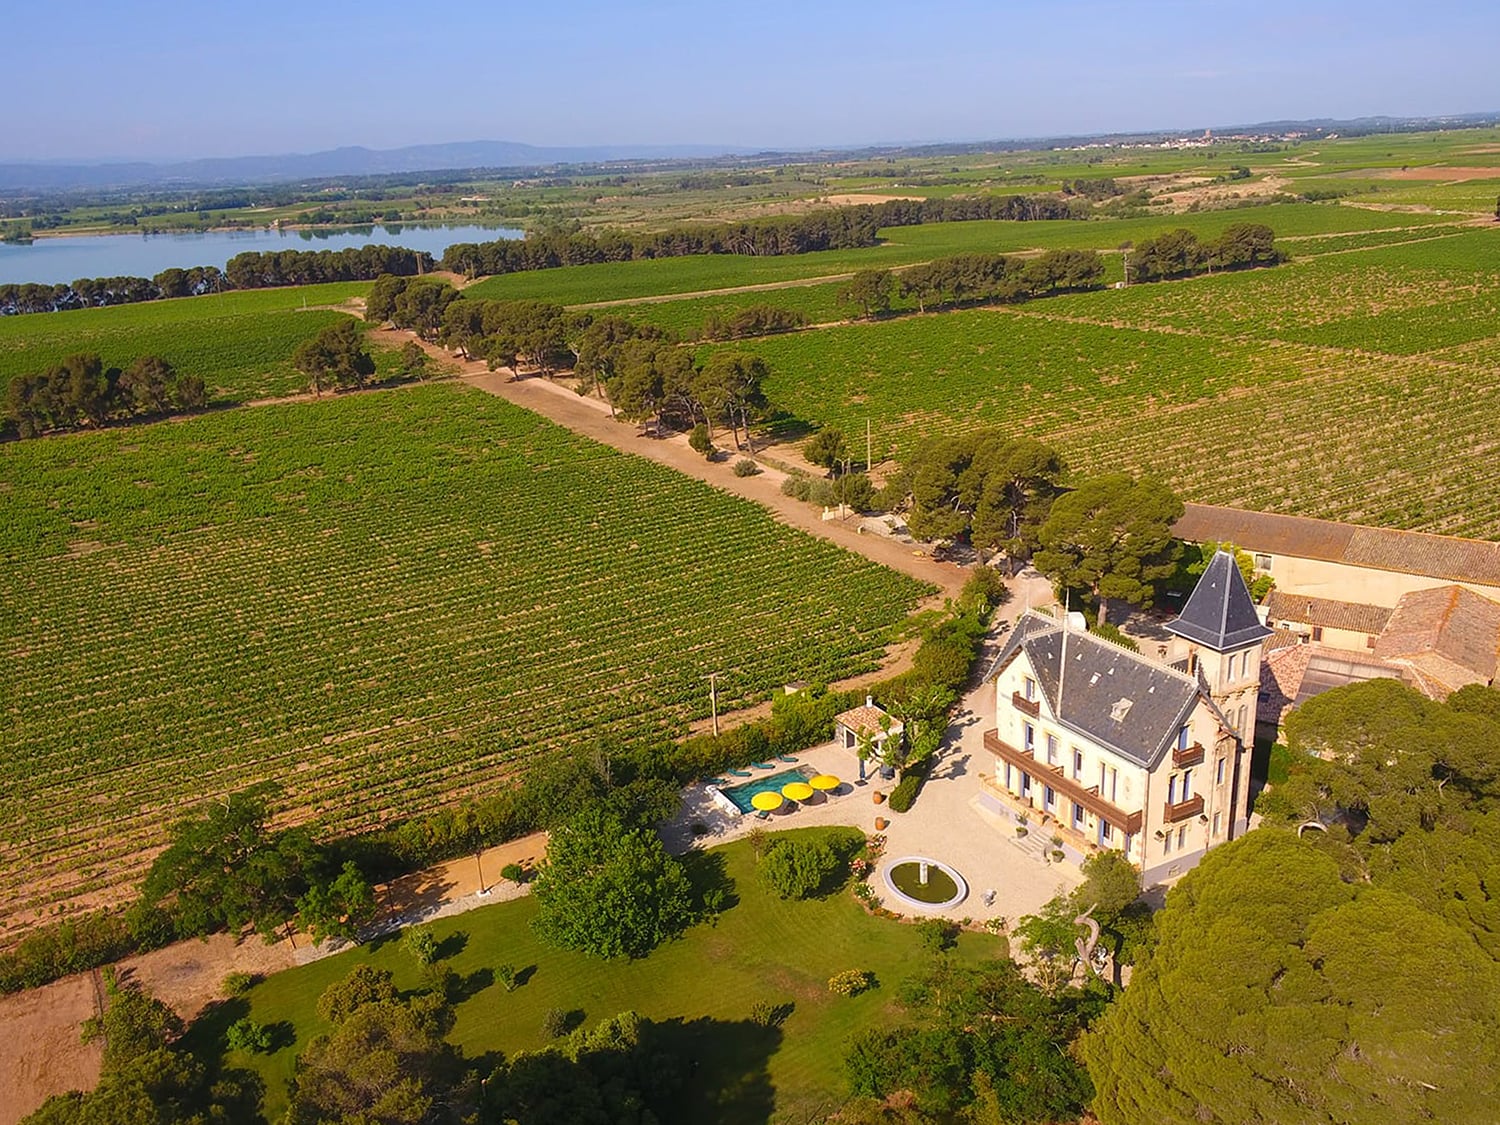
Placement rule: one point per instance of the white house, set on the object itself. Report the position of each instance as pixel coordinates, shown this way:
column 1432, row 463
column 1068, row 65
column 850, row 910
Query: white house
column 1109, row 748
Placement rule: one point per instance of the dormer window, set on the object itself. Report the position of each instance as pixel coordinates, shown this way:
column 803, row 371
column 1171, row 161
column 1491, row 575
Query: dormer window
column 1119, row 709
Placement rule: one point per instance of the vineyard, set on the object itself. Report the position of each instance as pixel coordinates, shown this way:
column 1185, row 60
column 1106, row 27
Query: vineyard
column 240, row 343
column 619, row 281
column 382, row 601
column 1357, row 387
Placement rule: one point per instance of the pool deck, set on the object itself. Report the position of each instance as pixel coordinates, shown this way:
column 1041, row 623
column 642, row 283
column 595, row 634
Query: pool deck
column 950, row 821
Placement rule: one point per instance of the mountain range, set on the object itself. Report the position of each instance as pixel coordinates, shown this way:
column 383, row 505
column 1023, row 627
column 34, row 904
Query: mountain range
column 348, row 161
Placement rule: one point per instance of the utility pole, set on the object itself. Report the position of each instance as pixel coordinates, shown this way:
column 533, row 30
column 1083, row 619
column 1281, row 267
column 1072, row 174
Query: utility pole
column 713, row 699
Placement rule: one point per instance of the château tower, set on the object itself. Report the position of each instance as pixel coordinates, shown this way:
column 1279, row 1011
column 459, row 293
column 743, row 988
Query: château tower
column 1224, row 635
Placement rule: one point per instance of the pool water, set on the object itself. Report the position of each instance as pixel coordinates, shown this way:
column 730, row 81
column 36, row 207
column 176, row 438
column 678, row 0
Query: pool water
column 741, row 795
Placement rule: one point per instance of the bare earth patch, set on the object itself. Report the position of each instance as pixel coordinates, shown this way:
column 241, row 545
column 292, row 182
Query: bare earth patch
column 1436, row 172
column 856, row 198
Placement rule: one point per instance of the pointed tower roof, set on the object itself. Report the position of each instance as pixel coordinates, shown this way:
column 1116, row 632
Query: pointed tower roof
column 1220, row 614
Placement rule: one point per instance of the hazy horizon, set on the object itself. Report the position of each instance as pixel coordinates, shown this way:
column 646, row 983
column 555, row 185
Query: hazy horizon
column 581, row 73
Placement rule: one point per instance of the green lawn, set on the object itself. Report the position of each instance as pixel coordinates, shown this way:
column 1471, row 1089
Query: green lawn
column 760, row 949
column 240, row 343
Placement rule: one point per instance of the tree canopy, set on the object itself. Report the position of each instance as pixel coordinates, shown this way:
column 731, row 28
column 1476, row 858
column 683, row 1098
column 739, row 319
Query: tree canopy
column 1280, row 992
column 1111, row 536
column 995, row 490
column 981, row 1044
column 610, row 889
column 335, row 357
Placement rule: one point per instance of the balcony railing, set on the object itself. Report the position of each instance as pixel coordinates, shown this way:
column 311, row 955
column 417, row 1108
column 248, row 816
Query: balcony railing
column 1075, row 791
column 1182, row 810
column 1026, row 706
column 1188, row 756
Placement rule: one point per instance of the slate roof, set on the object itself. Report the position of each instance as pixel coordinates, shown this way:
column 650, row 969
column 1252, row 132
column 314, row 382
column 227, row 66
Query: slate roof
column 1219, row 614
column 1099, row 676
column 1326, row 613
column 1380, row 548
column 1448, row 636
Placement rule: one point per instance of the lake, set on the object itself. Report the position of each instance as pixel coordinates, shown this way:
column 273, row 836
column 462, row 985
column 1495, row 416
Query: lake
column 68, row 258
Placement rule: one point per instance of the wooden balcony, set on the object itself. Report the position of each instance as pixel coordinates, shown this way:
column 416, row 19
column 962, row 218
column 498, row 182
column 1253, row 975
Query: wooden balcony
column 1075, row 791
column 1182, row 810
column 1189, row 756
column 1032, row 707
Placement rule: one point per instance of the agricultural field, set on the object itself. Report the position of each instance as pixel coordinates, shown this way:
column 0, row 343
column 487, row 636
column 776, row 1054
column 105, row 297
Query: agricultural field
column 625, row 281
column 1355, row 386
column 382, row 601
column 240, row 343
column 763, row 949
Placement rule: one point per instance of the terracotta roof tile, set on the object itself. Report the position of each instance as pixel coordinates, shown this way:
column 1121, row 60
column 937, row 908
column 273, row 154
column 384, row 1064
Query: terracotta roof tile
column 1407, row 552
column 1326, row 613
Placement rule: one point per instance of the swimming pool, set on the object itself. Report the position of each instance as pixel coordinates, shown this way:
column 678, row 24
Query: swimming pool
column 771, row 783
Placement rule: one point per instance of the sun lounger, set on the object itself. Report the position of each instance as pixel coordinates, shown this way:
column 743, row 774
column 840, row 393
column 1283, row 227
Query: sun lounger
column 763, row 815
column 739, row 773
column 718, row 781
column 786, row 758
column 763, row 765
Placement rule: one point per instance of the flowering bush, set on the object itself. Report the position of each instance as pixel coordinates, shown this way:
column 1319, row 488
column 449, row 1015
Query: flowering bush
column 860, row 866
column 851, row 982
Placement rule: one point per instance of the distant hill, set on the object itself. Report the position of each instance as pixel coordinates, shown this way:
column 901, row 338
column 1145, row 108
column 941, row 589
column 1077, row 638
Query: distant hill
column 351, row 161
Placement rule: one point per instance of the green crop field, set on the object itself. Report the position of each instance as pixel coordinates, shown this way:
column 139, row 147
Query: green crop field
column 240, row 343
column 382, row 601
column 762, row 949
column 1355, row 386
column 622, row 281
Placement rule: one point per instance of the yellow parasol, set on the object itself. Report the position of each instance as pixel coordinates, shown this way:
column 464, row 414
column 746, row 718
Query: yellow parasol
column 766, row 802
column 797, row 791
column 825, row 781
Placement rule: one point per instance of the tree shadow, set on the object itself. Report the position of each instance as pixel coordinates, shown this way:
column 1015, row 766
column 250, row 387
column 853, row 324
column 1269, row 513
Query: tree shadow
column 713, row 889
column 470, row 985
column 205, row 1036
column 280, row 1035
column 724, row 1070
column 524, row 975
column 451, row 946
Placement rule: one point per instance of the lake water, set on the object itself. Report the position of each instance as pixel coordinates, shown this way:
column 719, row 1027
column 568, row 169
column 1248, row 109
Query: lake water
column 54, row 260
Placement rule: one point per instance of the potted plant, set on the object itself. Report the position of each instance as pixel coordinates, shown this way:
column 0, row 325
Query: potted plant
column 878, row 797
column 1021, row 822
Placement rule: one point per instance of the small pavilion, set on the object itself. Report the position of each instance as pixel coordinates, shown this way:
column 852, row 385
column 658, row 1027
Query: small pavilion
column 866, row 721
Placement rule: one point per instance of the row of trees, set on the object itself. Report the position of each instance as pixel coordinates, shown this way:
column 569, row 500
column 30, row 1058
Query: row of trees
column 638, row 369
column 250, row 270
column 837, row 228
column 81, row 391
column 1180, row 253
column 834, row 228
column 967, row 278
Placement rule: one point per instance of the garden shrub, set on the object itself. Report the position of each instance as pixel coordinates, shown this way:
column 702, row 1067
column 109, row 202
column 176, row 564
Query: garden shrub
column 247, row 1035
column 851, row 982
column 237, row 984
column 745, row 467
column 798, row 868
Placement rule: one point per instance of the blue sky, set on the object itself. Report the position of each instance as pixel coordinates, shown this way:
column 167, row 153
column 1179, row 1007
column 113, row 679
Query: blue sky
column 146, row 80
